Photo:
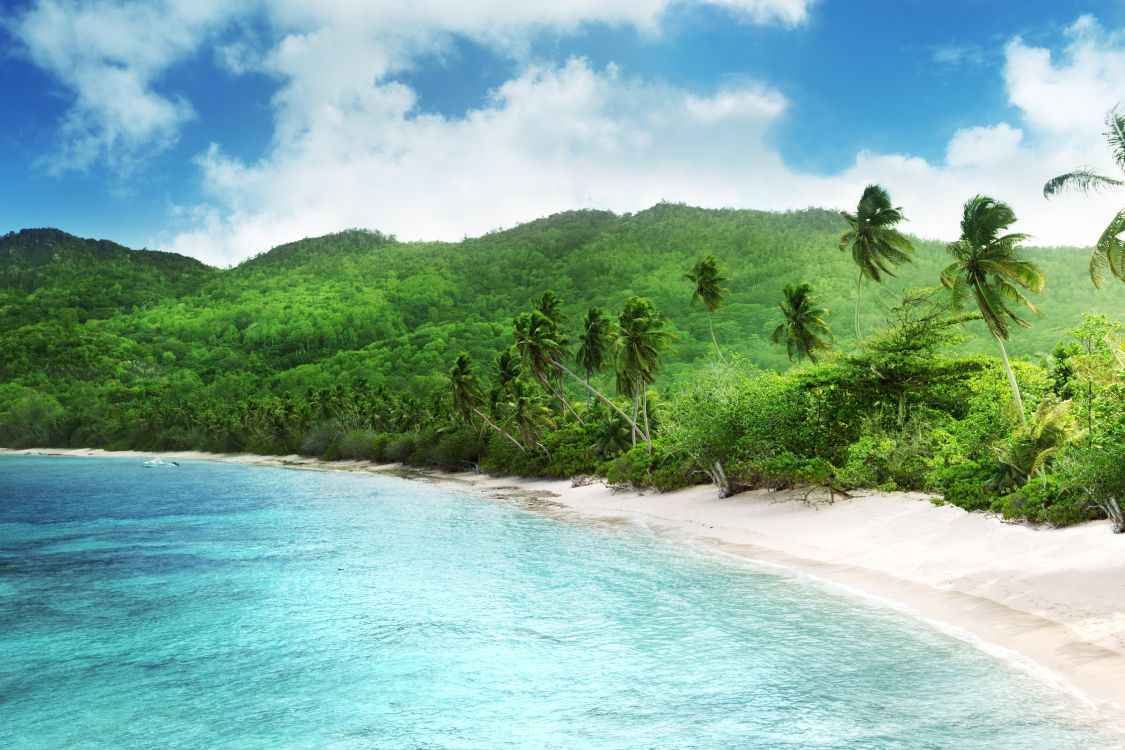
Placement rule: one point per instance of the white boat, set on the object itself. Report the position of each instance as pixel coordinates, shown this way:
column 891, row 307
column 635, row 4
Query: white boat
column 159, row 463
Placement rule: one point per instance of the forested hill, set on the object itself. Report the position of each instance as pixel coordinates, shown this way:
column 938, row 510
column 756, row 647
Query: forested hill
column 48, row 274
column 97, row 326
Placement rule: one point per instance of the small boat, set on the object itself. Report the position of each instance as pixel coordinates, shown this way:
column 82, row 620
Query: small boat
column 159, row 463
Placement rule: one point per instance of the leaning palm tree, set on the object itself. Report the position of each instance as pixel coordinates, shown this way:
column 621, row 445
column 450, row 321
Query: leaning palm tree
column 875, row 244
column 804, row 327
column 528, row 412
column 594, row 345
column 640, row 342
column 985, row 266
column 708, row 290
column 1109, row 252
column 466, row 396
column 541, row 346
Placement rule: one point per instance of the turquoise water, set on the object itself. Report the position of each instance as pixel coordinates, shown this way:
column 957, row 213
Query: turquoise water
column 225, row 606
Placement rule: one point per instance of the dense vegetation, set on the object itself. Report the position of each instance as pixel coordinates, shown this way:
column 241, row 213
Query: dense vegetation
column 355, row 345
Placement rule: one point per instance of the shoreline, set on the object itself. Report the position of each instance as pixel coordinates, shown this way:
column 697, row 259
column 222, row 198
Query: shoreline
column 1051, row 601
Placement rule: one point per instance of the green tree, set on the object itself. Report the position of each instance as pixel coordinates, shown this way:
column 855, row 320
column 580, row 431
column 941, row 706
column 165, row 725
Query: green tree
column 594, row 344
column 987, row 267
column 874, row 242
column 1109, row 252
column 804, row 327
column 541, row 346
column 1031, row 446
column 710, row 291
column 641, row 342
column 464, row 387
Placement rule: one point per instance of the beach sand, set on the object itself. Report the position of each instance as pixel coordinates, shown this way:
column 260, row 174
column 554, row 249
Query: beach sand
column 1050, row 600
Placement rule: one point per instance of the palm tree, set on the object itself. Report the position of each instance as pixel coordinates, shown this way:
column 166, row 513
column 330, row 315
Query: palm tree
column 986, row 266
column 594, row 345
column 528, row 412
column 464, row 387
column 804, row 327
column 541, row 345
column 640, row 342
column 550, row 304
column 508, row 369
column 708, row 290
column 1050, row 429
column 1109, row 252
column 875, row 244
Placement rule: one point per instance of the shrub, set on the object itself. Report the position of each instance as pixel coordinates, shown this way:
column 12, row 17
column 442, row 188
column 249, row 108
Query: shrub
column 317, row 440
column 400, row 447
column 967, row 485
column 356, row 444
column 457, row 450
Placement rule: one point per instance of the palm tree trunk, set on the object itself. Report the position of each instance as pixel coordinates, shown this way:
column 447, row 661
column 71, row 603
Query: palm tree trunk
column 489, row 422
column 600, row 395
column 587, row 387
column 715, row 341
column 566, row 404
column 644, row 407
column 1012, row 380
column 636, row 409
column 858, row 289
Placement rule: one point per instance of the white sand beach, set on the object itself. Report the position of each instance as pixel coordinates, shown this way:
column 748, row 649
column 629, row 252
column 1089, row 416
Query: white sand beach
column 1052, row 600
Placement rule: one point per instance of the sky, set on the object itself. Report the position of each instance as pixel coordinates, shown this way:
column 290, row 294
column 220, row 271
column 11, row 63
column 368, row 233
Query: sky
column 220, row 130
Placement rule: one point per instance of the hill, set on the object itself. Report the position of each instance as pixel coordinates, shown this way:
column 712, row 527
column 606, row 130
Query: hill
column 101, row 328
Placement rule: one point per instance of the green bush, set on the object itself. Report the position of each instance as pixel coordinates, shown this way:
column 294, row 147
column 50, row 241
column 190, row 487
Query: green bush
column 400, row 447
column 356, row 444
column 458, row 450
column 967, row 485
column 318, row 439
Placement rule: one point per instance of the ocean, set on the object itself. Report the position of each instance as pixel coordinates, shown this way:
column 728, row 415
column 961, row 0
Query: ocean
column 230, row 606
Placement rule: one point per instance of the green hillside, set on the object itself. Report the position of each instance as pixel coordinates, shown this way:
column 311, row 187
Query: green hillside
column 103, row 330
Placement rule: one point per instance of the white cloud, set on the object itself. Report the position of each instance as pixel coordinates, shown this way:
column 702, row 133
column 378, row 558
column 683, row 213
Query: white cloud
column 111, row 55
column 550, row 140
column 1065, row 96
column 983, row 146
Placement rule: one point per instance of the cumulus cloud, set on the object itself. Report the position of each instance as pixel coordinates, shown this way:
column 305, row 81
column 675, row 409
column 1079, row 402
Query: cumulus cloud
column 111, row 55
column 552, row 139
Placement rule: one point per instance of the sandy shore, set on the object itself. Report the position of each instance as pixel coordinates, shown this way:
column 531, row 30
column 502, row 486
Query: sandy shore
column 1052, row 600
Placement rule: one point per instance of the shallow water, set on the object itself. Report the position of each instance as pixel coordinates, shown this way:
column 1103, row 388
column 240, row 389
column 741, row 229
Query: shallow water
column 229, row 606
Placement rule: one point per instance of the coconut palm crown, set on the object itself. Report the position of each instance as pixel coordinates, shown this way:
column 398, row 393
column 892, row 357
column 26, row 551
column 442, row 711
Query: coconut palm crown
column 876, row 246
column 594, row 344
column 1109, row 251
column 804, row 327
column 985, row 265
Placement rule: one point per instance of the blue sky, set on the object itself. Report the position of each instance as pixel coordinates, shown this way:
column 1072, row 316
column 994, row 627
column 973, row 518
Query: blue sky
column 220, row 132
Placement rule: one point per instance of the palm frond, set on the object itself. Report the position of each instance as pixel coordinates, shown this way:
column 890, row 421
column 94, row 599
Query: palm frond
column 1109, row 252
column 1115, row 134
column 1084, row 180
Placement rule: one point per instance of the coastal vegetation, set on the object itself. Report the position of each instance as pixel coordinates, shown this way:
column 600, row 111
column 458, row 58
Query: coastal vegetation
column 573, row 345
